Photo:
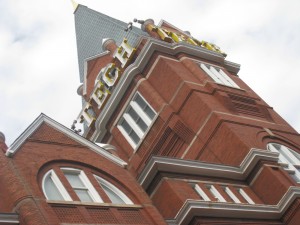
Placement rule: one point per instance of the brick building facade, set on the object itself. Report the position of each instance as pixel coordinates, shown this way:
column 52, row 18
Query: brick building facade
column 187, row 142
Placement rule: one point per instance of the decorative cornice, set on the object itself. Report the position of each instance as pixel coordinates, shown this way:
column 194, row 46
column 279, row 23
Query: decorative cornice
column 232, row 67
column 194, row 208
column 191, row 167
column 138, row 66
column 54, row 124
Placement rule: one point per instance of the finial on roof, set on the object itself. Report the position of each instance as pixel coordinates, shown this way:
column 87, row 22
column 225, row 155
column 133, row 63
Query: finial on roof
column 75, row 4
column 80, row 90
column 145, row 23
column 109, row 44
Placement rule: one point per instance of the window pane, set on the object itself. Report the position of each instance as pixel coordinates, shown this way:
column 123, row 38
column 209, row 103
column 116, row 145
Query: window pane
column 126, row 126
column 134, row 137
column 83, row 195
column 142, row 125
column 51, row 190
column 74, row 180
column 115, row 195
column 112, row 195
column 149, row 112
column 276, row 146
column 133, row 114
column 140, row 101
column 137, row 119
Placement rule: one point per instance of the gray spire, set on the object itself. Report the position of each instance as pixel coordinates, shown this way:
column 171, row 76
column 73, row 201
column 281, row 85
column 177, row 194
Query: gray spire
column 92, row 26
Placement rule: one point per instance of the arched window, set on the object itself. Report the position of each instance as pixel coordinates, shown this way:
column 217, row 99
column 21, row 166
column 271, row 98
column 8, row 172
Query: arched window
column 288, row 158
column 115, row 195
column 54, row 189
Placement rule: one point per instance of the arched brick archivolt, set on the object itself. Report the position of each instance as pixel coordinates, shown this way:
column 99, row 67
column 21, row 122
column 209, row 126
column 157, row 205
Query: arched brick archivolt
column 72, row 178
column 85, row 194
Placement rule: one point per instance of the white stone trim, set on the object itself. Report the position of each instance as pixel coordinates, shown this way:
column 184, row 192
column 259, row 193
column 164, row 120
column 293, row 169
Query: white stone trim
column 42, row 118
column 9, row 218
column 194, row 208
column 163, row 164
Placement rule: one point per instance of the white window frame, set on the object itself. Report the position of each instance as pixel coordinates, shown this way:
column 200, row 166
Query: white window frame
column 218, row 75
column 202, row 194
column 90, row 188
column 52, row 175
column 231, row 194
column 288, row 158
column 216, row 193
column 134, row 126
column 246, row 196
column 114, row 189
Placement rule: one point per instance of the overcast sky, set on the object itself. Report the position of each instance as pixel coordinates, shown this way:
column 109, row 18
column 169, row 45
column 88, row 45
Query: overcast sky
column 38, row 56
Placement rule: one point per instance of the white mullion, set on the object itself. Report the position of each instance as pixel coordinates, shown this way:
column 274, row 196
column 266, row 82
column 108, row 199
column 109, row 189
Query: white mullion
column 246, row 196
column 114, row 189
column 216, row 193
column 290, row 156
column 210, row 73
column 90, row 188
column 133, row 125
column 126, row 135
column 80, row 188
column 219, row 76
column 140, row 113
column 232, row 195
column 60, row 186
column 297, row 175
column 281, row 157
column 228, row 78
column 87, row 184
column 201, row 193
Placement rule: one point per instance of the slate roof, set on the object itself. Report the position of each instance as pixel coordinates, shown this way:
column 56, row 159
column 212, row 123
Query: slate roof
column 92, row 26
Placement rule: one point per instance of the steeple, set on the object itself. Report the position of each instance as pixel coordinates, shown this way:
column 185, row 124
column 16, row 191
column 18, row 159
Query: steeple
column 75, row 4
column 92, row 27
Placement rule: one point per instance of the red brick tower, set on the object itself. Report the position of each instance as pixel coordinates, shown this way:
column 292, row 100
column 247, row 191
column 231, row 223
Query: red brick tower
column 171, row 136
column 202, row 144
